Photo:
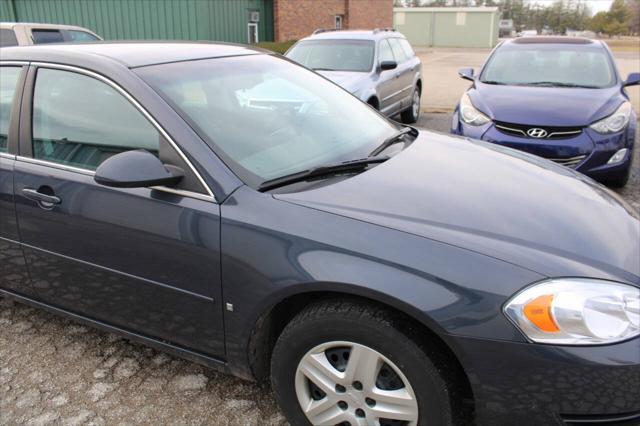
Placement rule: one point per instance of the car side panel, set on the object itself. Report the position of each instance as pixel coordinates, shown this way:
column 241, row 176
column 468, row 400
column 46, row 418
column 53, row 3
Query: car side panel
column 273, row 249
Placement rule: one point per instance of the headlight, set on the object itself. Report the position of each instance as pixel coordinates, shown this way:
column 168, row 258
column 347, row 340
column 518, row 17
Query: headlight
column 576, row 311
column 470, row 114
column 615, row 122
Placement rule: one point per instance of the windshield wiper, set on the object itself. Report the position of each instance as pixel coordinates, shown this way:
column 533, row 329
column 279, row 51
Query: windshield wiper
column 558, row 84
column 322, row 171
column 393, row 139
column 497, row 83
column 322, row 69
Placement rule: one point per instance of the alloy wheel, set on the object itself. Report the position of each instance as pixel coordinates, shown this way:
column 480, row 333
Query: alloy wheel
column 345, row 383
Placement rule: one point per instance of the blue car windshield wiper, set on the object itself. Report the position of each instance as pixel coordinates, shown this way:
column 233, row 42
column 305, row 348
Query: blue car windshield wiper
column 559, row 84
column 393, row 139
column 327, row 170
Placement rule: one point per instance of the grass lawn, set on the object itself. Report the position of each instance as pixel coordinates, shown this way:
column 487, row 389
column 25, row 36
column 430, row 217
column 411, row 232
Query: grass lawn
column 278, row 47
column 623, row 44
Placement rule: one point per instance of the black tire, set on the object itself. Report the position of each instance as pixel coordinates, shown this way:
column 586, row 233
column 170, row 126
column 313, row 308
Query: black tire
column 366, row 325
column 411, row 114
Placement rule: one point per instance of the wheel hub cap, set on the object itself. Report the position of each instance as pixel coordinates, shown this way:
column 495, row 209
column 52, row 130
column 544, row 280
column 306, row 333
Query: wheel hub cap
column 345, row 383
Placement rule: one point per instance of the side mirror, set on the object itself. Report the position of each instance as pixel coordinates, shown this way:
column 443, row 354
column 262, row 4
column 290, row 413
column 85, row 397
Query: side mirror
column 466, row 73
column 136, row 169
column 632, row 80
column 388, row 65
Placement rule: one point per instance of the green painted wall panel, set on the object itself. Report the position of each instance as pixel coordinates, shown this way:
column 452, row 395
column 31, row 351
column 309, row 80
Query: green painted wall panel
column 224, row 20
column 448, row 28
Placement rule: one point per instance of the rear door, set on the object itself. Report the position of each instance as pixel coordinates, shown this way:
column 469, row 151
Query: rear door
column 13, row 270
column 146, row 260
column 404, row 72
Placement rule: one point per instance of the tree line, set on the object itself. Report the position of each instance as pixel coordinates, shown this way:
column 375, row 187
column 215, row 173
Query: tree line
column 623, row 17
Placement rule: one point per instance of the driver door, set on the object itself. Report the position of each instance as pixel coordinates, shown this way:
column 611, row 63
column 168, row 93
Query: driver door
column 141, row 259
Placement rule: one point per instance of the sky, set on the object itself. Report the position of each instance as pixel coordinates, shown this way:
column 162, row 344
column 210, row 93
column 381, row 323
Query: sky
column 595, row 5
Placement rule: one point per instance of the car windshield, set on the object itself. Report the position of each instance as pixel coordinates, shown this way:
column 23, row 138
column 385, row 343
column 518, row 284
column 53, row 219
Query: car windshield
column 550, row 65
column 267, row 117
column 334, row 55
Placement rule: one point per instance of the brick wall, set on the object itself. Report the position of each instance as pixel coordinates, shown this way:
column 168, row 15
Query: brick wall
column 294, row 19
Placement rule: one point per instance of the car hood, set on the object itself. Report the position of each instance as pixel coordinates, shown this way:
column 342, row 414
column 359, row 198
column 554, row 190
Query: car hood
column 495, row 201
column 531, row 105
column 346, row 79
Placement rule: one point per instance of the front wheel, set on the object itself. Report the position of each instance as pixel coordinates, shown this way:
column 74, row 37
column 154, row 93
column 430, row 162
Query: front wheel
column 344, row 364
column 411, row 115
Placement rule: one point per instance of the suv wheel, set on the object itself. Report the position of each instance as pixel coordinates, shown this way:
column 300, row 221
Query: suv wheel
column 344, row 363
column 411, row 115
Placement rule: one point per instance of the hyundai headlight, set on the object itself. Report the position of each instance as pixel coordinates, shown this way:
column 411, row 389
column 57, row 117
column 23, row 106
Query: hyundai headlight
column 615, row 122
column 576, row 311
column 470, row 114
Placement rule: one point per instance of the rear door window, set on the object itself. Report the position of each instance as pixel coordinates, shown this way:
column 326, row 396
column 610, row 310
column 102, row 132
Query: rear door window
column 80, row 36
column 7, row 38
column 42, row 36
column 8, row 82
column 408, row 50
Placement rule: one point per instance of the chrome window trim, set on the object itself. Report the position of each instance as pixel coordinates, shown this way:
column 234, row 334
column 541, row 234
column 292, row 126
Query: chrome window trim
column 14, row 63
column 208, row 197
column 91, row 173
column 7, row 156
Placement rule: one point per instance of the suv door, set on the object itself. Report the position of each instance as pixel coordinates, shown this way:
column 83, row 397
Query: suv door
column 404, row 72
column 13, row 270
column 146, row 260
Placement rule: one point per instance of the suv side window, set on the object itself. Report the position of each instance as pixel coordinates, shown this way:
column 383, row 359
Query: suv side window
column 80, row 121
column 9, row 77
column 385, row 53
column 80, row 36
column 398, row 51
column 408, row 50
column 43, row 36
column 7, row 38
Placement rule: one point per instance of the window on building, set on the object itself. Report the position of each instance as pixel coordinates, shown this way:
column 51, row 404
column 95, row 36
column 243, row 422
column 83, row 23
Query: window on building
column 46, row 36
column 338, row 21
column 8, row 81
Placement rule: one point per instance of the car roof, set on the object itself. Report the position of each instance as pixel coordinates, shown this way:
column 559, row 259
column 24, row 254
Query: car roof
column 552, row 40
column 375, row 34
column 129, row 54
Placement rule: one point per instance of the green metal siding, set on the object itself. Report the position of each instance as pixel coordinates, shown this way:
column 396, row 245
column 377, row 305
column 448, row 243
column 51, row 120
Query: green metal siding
column 448, row 27
column 224, row 20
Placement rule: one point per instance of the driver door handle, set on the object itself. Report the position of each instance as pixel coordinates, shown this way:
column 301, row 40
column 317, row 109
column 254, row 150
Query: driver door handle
column 35, row 195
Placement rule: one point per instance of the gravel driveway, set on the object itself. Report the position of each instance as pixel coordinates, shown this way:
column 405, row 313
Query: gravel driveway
column 56, row 371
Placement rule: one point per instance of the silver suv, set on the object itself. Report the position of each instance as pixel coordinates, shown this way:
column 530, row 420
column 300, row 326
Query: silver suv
column 26, row 34
column 377, row 66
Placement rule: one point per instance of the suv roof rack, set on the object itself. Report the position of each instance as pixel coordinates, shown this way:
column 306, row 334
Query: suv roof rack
column 324, row 30
column 377, row 30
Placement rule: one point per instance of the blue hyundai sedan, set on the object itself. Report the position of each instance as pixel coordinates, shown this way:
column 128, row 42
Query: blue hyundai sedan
column 556, row 97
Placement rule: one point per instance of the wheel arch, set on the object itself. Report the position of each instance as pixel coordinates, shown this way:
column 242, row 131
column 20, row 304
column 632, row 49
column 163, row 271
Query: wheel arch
column 273, row 319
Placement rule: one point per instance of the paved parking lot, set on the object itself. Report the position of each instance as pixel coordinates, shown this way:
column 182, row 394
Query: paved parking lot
column 56, row 371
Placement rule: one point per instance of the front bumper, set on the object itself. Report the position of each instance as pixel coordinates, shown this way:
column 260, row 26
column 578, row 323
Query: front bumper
column 533, row 384
column 592, row 149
